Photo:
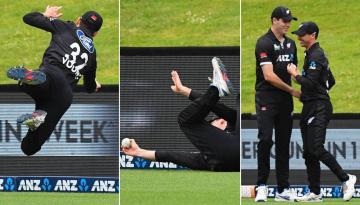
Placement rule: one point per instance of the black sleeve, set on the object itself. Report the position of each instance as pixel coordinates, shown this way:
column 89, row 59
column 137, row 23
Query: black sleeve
column 313, row 72
column 38, row 20
column 192, row 160
column 263, row 51
column 89, row 78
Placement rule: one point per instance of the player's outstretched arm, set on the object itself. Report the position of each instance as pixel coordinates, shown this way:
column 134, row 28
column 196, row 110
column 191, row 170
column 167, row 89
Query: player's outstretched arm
column 178, row 87
column 135, row 151
column 43, row 20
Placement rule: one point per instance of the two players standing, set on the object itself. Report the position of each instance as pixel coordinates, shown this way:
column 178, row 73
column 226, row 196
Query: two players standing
column 276, row 64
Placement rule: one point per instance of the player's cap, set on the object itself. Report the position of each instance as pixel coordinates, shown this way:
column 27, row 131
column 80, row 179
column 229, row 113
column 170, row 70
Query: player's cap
column 282, row 12
column 308, row 27
column 92, row 20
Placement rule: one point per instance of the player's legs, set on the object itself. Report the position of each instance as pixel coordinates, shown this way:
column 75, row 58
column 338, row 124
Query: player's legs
column 312, row 164
column 201, row 133
column 283, row 128
column 217, row 145
column 192, row 160
column 55, row 101
column 316, row 131
column 220, row 109
column 33, row 140
column 197, row 110
column 265, row 120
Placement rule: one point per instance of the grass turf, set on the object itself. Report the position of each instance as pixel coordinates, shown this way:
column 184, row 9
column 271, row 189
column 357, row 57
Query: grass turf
column 248, row 201
column 21, row 198
column 157, row 187
column 23, row 44
column 338, row 39
column 180, row 23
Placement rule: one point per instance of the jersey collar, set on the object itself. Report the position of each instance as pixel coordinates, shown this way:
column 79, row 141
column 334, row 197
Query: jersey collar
column 312, row 48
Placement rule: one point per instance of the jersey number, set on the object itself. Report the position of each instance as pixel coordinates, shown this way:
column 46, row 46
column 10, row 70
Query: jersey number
column 70, row 63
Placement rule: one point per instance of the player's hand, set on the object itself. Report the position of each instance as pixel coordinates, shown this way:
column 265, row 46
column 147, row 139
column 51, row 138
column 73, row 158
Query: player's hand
column 133, row 150
column 98, row 86
column 296, row 93
column 292, row 69
column 177, row 87
column 53, row 12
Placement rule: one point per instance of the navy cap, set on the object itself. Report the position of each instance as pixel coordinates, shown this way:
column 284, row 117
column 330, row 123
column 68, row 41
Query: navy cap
column 308, row 27
column 92, row 20
column 282, row 12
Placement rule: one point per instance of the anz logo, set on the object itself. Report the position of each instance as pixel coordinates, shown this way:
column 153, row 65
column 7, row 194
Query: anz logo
column 285, row 58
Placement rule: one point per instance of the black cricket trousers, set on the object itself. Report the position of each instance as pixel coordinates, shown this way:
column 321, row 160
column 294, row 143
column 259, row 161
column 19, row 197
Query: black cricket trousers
column 269, row 117
column 315, row 117
column 53, row 96
column 219, row 150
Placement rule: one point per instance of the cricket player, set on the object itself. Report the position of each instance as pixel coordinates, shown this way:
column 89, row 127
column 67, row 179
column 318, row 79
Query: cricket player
column 316, row 81
column 218, row 141
column 274, row 103
column 70, row 55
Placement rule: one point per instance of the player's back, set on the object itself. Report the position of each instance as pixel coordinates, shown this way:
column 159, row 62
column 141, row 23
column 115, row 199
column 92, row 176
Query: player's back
column 71, row 48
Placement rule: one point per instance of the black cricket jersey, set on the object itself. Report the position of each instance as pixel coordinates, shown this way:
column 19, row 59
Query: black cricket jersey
column 314, row 81
column 269, row 50
column 71, row 49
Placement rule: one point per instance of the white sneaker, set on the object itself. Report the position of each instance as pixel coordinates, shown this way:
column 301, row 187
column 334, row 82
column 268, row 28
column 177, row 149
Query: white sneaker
column 348, row 187
column 309, row 197
column 220, row 78
column 261, row 193
column 286, row 195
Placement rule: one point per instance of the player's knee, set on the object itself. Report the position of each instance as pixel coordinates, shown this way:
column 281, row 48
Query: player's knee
column 317, row 151
column 265, row 143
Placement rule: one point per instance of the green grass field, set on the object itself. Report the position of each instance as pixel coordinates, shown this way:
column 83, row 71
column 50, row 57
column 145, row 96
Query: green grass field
column 23, row 44
column 180, row 23
column 161, row 187
column 21, row 198
column 248, row 201
column 338, row 36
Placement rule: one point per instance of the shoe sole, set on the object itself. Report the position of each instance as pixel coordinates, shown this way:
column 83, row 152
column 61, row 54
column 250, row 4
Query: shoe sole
column 26, row 76
column 315, row 201
column 221, row 70
column 282, row 199
column 34, row 120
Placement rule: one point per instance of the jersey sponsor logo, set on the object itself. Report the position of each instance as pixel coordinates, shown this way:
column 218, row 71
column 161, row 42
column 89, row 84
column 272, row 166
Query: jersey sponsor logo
column 285, row 58
column 85, row 41
column 276, row 47
column 312, row 65
column 288, row 45
column 263, row 55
